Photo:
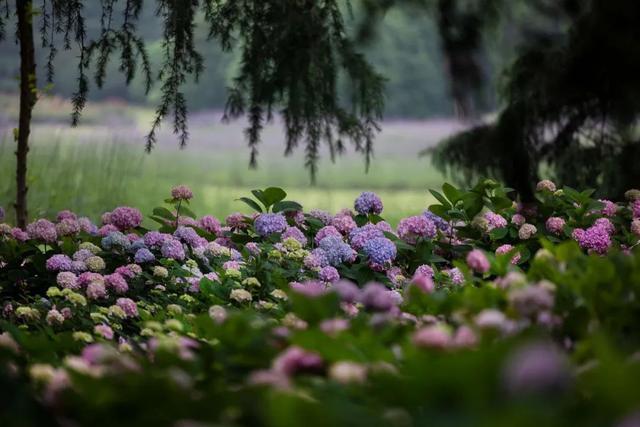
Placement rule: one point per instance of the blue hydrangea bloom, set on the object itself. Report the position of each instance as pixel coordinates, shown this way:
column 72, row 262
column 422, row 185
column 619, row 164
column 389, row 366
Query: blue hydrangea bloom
column 336, row 251
column 359, row 236
column 187, row 235
column 368, row 203
column 269, row 223
column 144, row 255
column 115, row 240
column 137, row 245
column 380, row 250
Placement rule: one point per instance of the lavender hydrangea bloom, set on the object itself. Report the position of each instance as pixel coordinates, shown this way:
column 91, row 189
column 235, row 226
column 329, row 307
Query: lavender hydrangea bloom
column 326, row 231
column 155, row 239
column 43, row 230
column 295, row 360
column 128, row 306
column 311, row 288
column 361, row 235
column 413, row 228
column 269, row 223
column 210, row 224
column 380, row 251
column 323, row 216
column 181, row 192
column 125, row 218
column 440, row 222
column 368, row 203
column 87, row 226
column 116, row 282
column 316, row 259
column 173, row 249
column 294, row 233
column 595, row 238
column 329, row 274
column 348, row 291
column 187, row 235
column 67, row 227
column 59, row 262
column 377, row 297
column 336, row 251
column 143, row 256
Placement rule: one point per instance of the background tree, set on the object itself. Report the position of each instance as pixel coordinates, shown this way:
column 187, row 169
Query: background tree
column 292, row 57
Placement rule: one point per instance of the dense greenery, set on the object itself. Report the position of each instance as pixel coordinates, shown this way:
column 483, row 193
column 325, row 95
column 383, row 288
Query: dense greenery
column 477, row 312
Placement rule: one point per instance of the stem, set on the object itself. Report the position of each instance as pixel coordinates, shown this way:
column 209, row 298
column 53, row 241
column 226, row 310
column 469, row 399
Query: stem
column 178, row 213
column 27, row 101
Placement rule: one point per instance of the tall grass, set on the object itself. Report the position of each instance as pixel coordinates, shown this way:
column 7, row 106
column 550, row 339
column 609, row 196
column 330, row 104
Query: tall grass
column 91, row 171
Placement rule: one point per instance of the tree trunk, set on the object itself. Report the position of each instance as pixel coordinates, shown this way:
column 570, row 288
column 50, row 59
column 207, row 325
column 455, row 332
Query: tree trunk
column 28, row 98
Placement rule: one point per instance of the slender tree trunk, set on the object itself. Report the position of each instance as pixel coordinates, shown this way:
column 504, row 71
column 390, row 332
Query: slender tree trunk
column 28, row 98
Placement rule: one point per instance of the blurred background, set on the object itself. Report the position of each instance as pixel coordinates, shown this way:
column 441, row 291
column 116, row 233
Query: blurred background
column 433, row 55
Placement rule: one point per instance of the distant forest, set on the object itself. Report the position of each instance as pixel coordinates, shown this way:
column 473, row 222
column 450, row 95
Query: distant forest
column 405, row 49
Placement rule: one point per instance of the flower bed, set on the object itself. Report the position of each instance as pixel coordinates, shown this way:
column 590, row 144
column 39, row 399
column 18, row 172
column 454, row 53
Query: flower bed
column 477, row 311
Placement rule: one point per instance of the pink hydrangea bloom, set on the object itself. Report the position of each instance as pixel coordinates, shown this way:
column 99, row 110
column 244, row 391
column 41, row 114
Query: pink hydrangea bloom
column 477, row 261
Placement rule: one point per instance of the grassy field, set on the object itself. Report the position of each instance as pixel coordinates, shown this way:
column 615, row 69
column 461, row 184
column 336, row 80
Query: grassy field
column 99, row 166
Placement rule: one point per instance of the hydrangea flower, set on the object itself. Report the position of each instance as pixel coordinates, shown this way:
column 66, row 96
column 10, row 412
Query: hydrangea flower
column 416, row 227
column 494, row 221
column 210, row 224
column 336, row 251
column 329, row 274
column 440, row 222
column 609, row 208
column 116, row 282
column 67, row 280
column 527, row 231
column 59, row 262
column 294, row 233
column 116, row 240
column 361, row 235
column 269, row 223
column 173, row 249
column 368, row 203
column 144, row 256
column 505, row 249
column 380, row 251
column 67, row 227
column 344, row 223
column 595, row 238
column 323, row 216
column 295, row 360
column 128, row 306
column 477, row 261
column 555, row 225
column 188, row 235
column 125, row 218
column 377, row 297
column 546, row 185
column 181, row 192
column 42, row 229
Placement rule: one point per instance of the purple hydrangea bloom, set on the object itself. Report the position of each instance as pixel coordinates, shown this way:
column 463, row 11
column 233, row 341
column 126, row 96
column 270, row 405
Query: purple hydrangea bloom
column 440, row 222
column 43, row 230
column 316, row 259
column 67, row 227
column 323, row 216
column 416, row 227
column 377, row 297
column 66, row 214
column 155, row 239
column 609, row 208
column 380, row 251
column 181, row 192
column 368, row 203
column 210, row 224
column 456, row 276
column 495, row 220
column 269, row 223
column 82, row 254
column 329, row 274
column 125, row 218
column 87, row 226
column 106, row 229
column 344, row 223
column 347, row 290
column 128, row 306
column 67, row 280
column 595, row 238
column 327, row 231
column 116, row 282
column 310, row 288
column 173, row 249
column 295, row 233
column 536, row 368
column 19, row 235
column 477, row 261
column 361, row 235
column 606, row 224
column 144, row 255
column 555, row 225
column 187, row 235
column 59, row 262
column 96, row 290
column 295, row 360
column 424, row 270
column 336, row 251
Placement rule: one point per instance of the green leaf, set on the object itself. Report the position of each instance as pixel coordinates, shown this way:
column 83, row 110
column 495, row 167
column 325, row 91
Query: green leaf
column 164, row 213
column 452, row 193
column 441, row 199
column 259, row 194
column 439, row 210
column 273, row 195
column 287, row 205
column 498, row 233
column 251, row 203
column 187, row 212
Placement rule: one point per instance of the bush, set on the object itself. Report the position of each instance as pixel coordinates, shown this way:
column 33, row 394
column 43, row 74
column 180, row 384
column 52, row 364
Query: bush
column 480, row 311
